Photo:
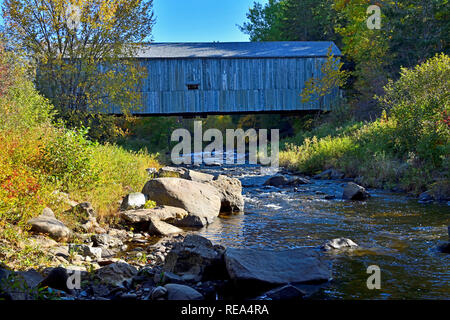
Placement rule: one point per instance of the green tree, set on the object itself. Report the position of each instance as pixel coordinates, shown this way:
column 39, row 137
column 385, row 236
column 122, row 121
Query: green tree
column 418, row 29
column 291, row 20
column 264, row 22
column 79, row 48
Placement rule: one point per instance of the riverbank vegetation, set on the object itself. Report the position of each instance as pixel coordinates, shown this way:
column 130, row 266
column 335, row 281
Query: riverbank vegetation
column 40, row 159
column 407, row 147
column 391, row 130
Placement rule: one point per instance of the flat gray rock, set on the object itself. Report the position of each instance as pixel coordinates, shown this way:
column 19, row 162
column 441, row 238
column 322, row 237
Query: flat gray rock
column 46, row 223
column 163, row 213
column 277, row 267
column 161, row 228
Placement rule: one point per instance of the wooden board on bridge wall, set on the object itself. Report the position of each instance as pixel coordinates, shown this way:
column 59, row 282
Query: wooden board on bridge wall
column 223, row 78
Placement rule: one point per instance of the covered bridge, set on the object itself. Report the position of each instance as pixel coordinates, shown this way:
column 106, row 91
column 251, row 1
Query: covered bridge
column 233, row 77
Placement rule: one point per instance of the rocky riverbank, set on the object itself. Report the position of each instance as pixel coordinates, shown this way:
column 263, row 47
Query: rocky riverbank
column 155, row 254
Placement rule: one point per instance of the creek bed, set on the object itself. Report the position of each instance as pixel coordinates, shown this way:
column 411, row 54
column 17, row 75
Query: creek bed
column 393, row 231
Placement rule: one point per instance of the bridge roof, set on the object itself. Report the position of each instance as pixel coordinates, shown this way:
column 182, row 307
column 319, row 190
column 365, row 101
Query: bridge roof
column 272, row 49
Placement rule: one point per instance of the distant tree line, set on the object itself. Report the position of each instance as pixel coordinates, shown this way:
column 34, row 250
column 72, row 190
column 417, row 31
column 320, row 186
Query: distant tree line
column 411, row 32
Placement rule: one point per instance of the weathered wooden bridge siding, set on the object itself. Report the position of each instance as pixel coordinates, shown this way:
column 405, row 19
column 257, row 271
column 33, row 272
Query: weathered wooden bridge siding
column 229, row 85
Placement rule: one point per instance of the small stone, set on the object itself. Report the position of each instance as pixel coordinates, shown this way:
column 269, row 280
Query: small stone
column 425, row 197
column 158, row 292
column 133, row 201
column 352, row 191
column 338, row 244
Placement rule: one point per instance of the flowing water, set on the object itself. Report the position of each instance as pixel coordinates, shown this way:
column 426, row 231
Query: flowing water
column 393, row 231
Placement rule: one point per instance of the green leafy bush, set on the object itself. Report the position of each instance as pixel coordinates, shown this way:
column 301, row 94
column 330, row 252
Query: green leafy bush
column 67, row 160
column 419, row 102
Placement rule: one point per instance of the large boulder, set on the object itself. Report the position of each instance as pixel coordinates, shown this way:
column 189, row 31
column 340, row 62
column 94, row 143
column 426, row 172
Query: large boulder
column 230, row 190
column 201, row 201
column 182, row 292
column 352, row 191
column 47, row 223
column 132, row 201
column 196, row 258
column 161, row 228
column 303, row 265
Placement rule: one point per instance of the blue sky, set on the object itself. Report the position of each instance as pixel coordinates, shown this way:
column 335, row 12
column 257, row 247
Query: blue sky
column 200, row 20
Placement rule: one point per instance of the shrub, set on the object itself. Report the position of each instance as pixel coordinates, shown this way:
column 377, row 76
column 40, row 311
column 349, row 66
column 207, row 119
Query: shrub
column 419, row 102
column 67, row 160
column 38, row 157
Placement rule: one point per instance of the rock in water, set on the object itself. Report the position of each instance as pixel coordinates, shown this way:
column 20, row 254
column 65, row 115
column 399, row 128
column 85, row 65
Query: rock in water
column 276, row 181
column 133, row 201
column 161, row 228
column 338, row 244
column 201, row 201
column 425, row 197
column 87, row 251
column 298, row 181
column 182, row 292
column 277, row 267
column 230, row 190
column 352, row 191
column 48, row 224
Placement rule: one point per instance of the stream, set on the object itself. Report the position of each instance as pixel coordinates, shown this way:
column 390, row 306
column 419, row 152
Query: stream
column 393, row 231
